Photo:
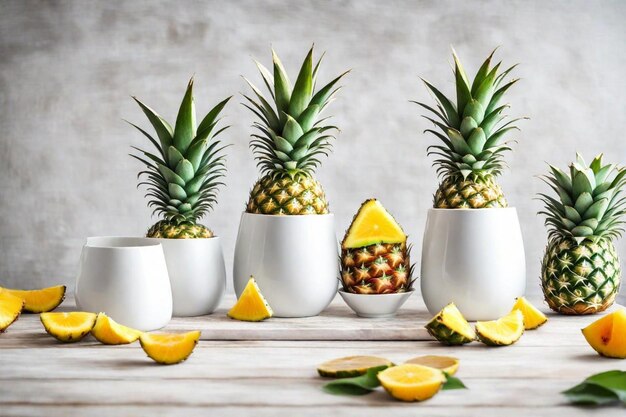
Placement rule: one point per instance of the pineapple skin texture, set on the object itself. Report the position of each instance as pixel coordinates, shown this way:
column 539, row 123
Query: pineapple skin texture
column 456, row 192
column 285, row 195
column 580, row 278
column 167, row 230
column 382, row 268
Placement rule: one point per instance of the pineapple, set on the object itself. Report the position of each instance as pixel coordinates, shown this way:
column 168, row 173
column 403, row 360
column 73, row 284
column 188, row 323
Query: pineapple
column 183, row 176
column 580, row 271
column 470, row 157
column 374, row 253
column 290, row 139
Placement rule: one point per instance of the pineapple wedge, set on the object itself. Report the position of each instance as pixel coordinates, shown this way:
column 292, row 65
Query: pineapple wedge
column 251, row 305
column 450, row 327
column 68, row 327
column 351, row 366
column 533, row 318
column 502, row 332
column 169, row 348
column 107, row 331
column 40, row 301
column 447, row 364
column 10, row 309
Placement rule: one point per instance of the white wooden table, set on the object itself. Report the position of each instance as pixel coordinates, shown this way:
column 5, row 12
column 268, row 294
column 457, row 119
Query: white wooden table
column 250, row 376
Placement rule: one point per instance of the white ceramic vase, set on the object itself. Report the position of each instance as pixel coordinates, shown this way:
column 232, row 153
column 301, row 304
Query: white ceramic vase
column 294, row 259
column 474, row 258
column 197, row 274
column 125, row 277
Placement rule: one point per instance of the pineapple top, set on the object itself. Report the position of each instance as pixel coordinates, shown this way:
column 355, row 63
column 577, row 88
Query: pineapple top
column 589, row 204
column 291, row 136
column 183, row 176
column 472, row 128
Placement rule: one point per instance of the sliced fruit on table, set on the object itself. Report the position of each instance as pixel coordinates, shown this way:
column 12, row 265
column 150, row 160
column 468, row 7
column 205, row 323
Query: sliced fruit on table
column 169, row 348
column 411, row 382
column 607, row 335
column 68, row 327
column 502, row 332
column 351, row 366
column 447, row 364
column 10, row 309
column 375, row 258
column 42, row 300
column 533, row 318
column 109, row 332
column 251, row 305
column 450, row 327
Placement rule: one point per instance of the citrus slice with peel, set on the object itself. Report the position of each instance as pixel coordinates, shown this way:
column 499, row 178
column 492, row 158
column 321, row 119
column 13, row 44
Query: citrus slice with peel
column 502, row 332
column 10, row 309
column 411, row 382
column 533, row 318
column 450, row 327
column 68, row 327
column 109, row 332
column 251, row 305
column 351, row 366
column 169, row 348
column 447, row 364
column 40, row 301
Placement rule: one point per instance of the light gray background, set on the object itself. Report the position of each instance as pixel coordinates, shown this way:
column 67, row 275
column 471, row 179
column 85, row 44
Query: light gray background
column 68, row 68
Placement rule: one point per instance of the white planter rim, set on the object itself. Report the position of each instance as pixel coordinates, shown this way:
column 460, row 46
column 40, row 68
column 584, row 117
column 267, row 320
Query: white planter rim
column 289, row 216
column 392, row 295
column 200, row 239
column 467, row 210
column 119, row 242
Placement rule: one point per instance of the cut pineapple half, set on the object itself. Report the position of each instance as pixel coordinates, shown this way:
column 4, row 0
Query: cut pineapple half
column 607, row 335
column 10, row 309
column 169, row 348
column 40, row 301
column 109, row 332
column 533, row 318
column 411, row 382
column 68, row 327
column 450, row 327
column 372, row 224
column 502, row 332
column 251, row 305
column 351, row 366
column 447, row 364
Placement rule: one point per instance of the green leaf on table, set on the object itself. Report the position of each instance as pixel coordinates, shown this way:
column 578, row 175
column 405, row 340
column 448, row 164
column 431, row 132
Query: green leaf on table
column 599, row 389
column 453, row 383
column 358, row 385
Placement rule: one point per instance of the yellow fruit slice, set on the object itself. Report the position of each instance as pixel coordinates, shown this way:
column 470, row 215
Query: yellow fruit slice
column 411, row 382
column 68, row 327
column 350, row 366
column 450, row 327
column 372, row 224
column 10, row 309
column 607, row 335
column 251, row 306
column 533, row 318
column 502, row 332
column 109, row 332
column 448, row 364
column 169, row 348
column 40, row 301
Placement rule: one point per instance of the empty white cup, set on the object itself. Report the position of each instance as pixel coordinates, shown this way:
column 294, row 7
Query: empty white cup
column 125, row 277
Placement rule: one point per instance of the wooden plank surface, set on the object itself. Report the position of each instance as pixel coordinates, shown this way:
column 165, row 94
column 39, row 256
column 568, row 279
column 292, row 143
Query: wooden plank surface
column 41, row 377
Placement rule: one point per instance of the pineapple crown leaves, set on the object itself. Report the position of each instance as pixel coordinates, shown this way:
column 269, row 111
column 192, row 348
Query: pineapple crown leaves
column 182, row 178
column 290, row 137
column 471, row 129
column 590, row 202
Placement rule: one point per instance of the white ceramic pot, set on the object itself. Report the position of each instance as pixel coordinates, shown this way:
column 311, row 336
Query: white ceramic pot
column 474, row 258
column 374, row 306
column 125, row 277
column 197, row 274
column 294, row 259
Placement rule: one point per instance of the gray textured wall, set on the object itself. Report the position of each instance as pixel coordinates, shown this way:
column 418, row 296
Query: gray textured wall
column 67, row 69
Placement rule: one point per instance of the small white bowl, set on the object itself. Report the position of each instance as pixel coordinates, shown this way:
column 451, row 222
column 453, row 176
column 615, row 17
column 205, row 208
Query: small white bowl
column 375, row 305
